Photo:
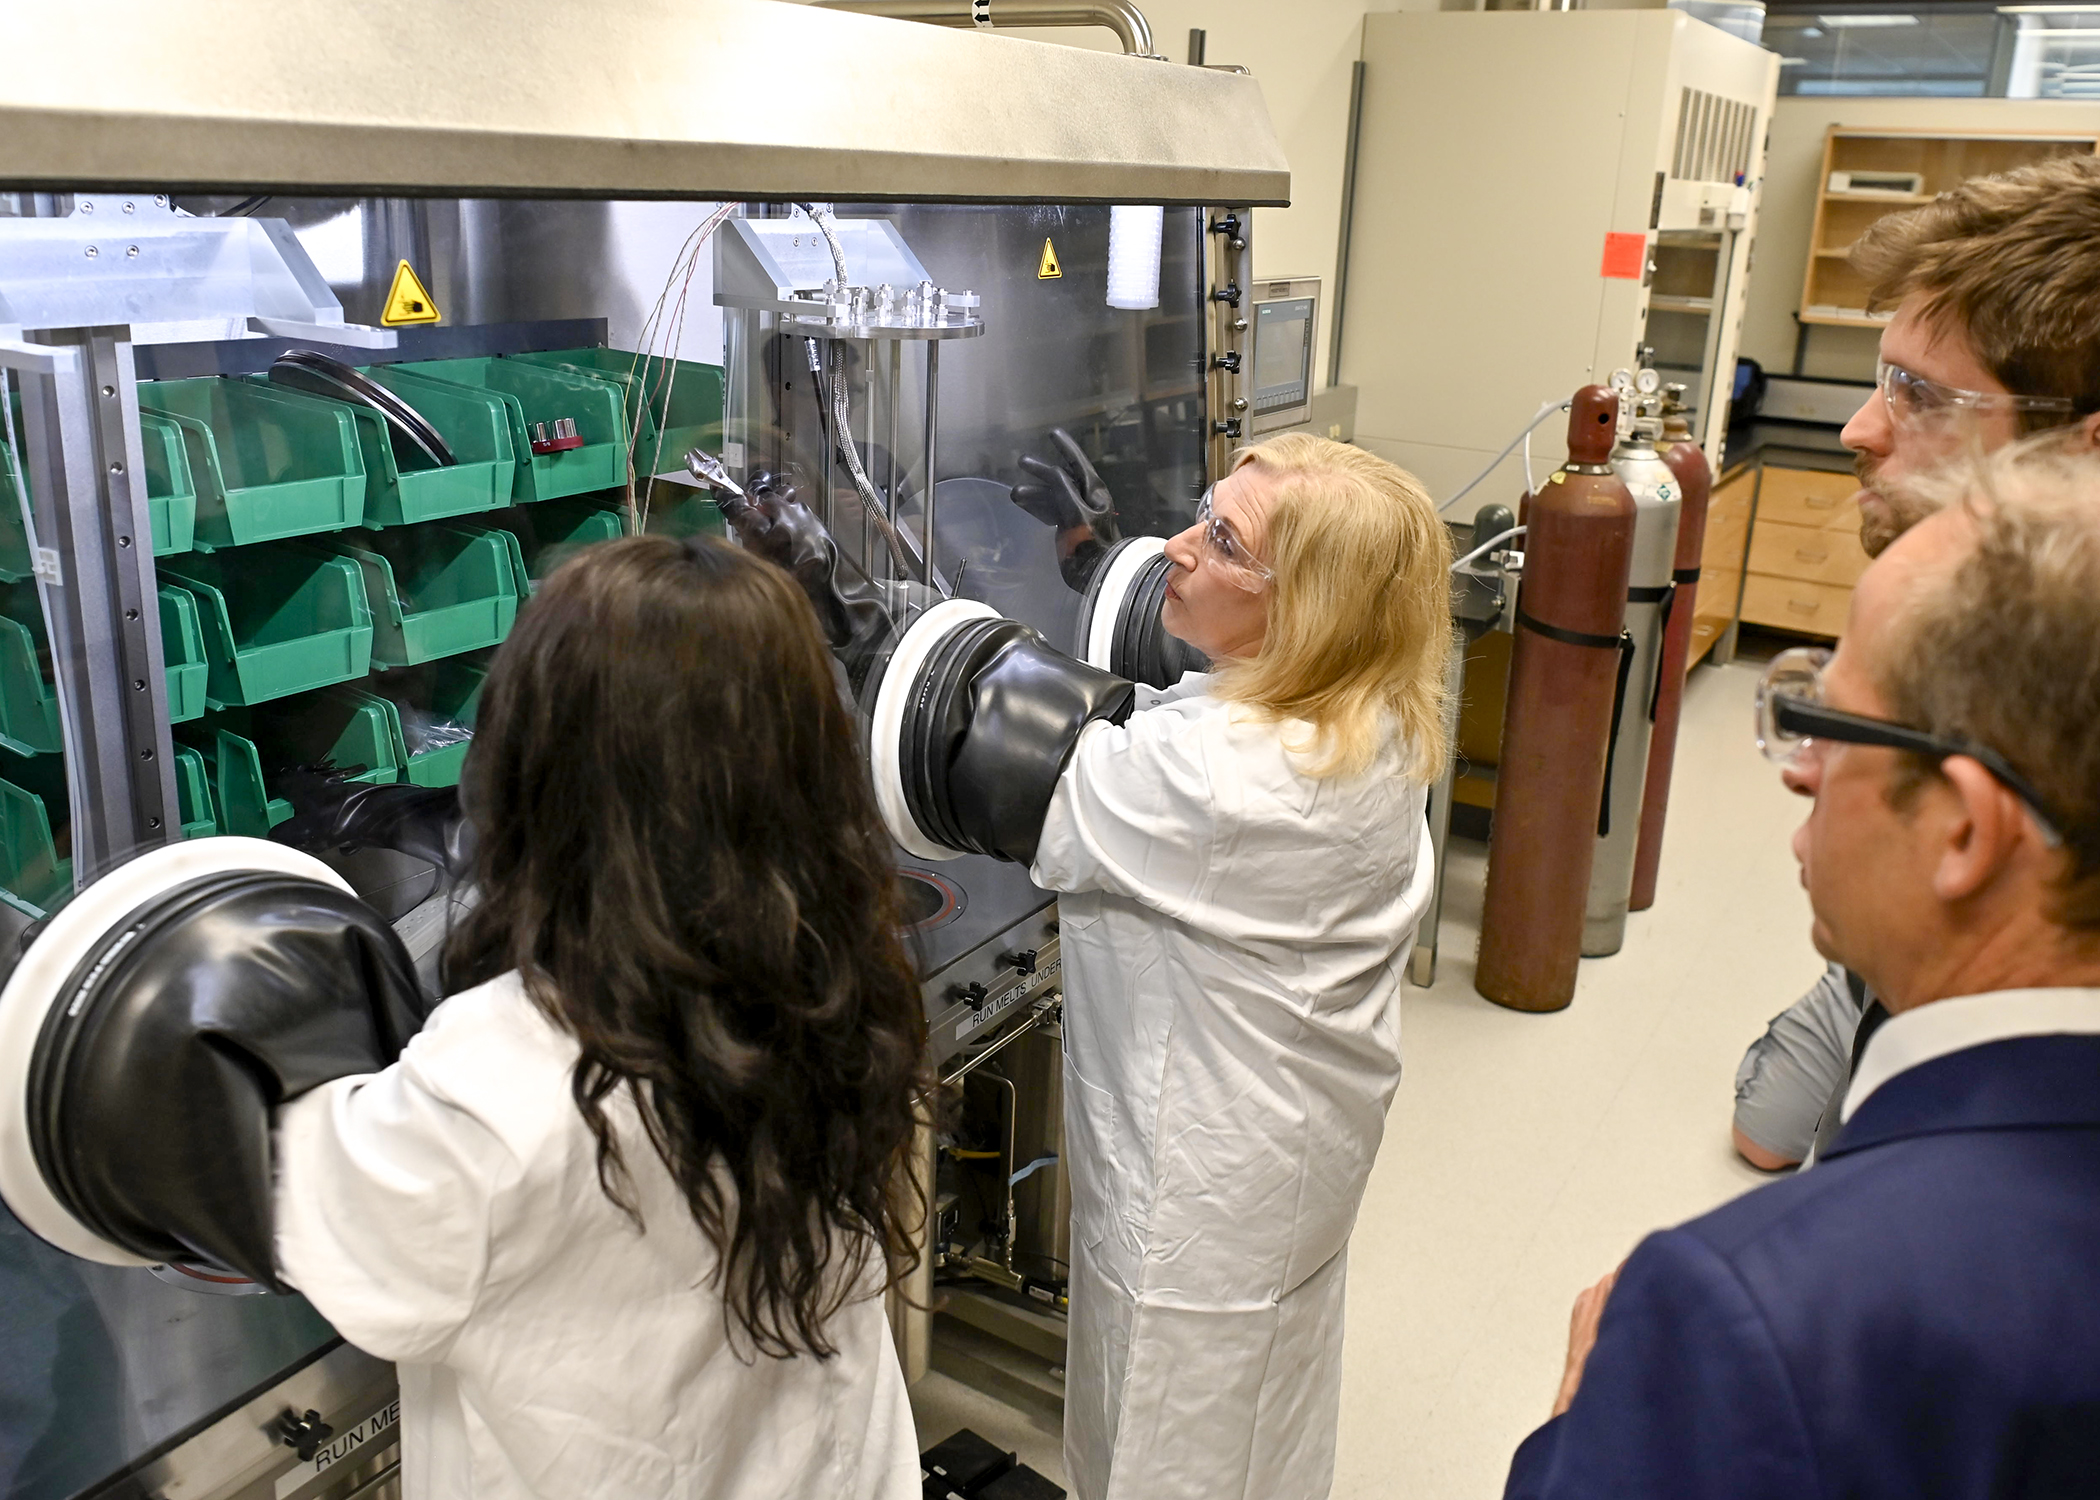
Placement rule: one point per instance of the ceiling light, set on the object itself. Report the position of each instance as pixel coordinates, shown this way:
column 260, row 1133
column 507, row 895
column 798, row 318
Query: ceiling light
column 1868, row 18
column 1793, row 62
column 1809, row 33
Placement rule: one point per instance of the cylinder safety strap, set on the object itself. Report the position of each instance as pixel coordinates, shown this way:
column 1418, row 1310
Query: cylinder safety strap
column 1662, row 632
column 1611, row 749
column 1685, row 575
column 1567, row 637
column 1621, row 643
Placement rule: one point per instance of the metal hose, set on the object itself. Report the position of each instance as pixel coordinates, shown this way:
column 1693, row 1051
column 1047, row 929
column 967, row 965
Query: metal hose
column 1120, row 16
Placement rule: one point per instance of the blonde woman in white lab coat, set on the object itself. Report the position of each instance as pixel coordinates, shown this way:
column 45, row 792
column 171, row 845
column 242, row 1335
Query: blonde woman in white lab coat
column 624, row 1209
column 1241, row 868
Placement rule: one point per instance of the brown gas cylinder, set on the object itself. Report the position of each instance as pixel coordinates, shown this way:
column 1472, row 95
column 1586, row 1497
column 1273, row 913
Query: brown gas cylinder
column 1688, row 462
column 1564, row 674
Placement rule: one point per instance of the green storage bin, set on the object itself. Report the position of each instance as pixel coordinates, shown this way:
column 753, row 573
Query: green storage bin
column 428, row 707
column 533, row 394
column 193, row 795
column 548, row 535
column 266, row 464
column 171, row 498
column 15, row 562
column 182, row 653
column 475, row 427
column 277, row 621
column 241, row 801
column 435, row 590
column 36, row 860
column 29, row 703
column 171, row 489
column 341, row 729
column 691, row 418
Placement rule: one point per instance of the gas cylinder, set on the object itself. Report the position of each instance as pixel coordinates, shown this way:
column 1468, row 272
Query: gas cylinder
column 1564, row 676
column 1688, row 462
column 1656, row 497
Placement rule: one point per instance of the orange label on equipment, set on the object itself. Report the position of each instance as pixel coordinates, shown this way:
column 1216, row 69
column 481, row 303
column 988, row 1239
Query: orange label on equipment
column 1625, row 256
column 407, row 302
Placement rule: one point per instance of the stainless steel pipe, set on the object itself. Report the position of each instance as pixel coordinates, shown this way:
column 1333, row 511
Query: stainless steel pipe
column 1119, row 16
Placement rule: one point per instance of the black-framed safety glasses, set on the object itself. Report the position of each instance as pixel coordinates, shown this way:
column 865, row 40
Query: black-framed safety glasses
column 1792, row 717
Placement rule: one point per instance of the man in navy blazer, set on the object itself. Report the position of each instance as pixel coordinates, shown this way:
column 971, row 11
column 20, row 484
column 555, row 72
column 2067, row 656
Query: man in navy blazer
column 1919, row 1314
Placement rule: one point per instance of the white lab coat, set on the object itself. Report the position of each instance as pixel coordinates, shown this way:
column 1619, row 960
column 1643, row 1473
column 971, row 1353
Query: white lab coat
column 1234, row 936
column 446, row 1214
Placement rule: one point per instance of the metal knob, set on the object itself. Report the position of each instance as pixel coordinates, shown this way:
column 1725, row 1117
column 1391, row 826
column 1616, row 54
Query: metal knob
column 1229, row 361
column 1229, row 294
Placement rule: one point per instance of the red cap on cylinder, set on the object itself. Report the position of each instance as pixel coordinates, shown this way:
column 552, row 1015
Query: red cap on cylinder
column 1593, row 425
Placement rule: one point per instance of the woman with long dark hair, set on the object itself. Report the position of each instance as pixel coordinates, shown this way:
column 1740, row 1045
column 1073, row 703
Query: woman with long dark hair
column 624, row 1210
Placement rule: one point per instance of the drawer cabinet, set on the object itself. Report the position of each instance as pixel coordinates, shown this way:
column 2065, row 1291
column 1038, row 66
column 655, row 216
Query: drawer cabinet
column 1808, row 497
column 1817, row 555
column 1803, row 553
column 1795, row 604
column 1721, row 559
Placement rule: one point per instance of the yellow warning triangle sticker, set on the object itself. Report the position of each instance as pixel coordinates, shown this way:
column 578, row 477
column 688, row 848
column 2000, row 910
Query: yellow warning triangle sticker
column 1049, row 270
column 408, row 302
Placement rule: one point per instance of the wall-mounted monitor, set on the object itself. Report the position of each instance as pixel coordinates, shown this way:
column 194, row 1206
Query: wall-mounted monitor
column 1285, row 324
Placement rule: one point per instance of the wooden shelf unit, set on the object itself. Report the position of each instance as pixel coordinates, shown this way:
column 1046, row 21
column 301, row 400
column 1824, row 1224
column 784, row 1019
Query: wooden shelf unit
column 1832, row 294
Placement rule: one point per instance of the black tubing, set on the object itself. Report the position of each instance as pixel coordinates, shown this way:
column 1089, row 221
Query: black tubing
column 153, row 1080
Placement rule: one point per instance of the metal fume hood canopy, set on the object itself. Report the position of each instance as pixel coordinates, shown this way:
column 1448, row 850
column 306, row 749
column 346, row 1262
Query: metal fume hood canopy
column 622, row 98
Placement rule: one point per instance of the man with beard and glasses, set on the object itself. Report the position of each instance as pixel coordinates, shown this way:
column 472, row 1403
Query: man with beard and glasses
column 1996, row 334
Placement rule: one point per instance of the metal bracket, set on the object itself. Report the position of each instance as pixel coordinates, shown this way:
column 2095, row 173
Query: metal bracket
column 345, row 335
column 84, row 472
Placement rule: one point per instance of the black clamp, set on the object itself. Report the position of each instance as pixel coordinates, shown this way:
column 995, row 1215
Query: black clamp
column 304, row 1435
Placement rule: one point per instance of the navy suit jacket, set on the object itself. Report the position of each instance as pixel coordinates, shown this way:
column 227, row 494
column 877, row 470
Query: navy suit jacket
column 1918, row 1316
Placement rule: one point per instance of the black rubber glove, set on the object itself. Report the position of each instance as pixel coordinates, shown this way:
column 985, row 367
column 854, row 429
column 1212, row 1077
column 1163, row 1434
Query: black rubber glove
column 1070, row 496
column 150, row 1102
column 770, row 521
column 330, row 812
column 993, row 715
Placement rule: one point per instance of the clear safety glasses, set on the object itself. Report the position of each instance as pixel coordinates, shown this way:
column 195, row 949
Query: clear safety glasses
column 1227, row 552
column 1917, row 403
column 1793, row 720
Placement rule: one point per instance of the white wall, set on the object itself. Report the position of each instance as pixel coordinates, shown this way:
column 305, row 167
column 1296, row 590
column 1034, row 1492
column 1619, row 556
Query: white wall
column 1788, row 213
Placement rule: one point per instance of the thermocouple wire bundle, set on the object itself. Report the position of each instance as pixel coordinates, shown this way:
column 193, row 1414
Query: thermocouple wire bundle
column 662, row 368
